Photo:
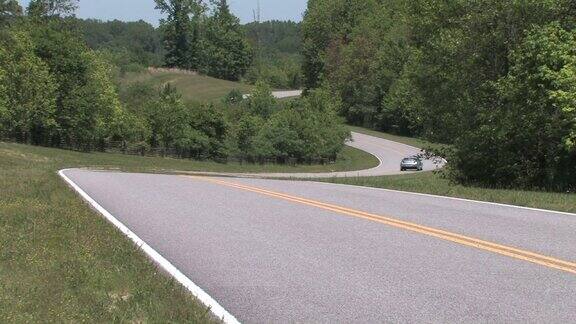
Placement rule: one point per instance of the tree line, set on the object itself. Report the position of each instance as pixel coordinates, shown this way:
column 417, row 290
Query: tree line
column 204, row 37
column 57, row 91
column 273, row 49
column 277, row 59
column 494, row 79
column 255, row 129
column 131, row 46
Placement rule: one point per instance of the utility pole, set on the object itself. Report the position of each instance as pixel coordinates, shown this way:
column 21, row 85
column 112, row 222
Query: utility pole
column 256, row 13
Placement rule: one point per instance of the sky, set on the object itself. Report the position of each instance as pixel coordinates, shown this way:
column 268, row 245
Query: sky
column 132, row 10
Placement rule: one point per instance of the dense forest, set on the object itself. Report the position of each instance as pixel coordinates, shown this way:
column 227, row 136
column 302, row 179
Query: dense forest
column 495, row 79
column 131, row 46
column 58, row 88
column 277, row 59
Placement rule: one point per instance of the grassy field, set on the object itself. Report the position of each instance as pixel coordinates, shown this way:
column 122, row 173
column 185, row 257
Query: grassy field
column 61, row 262
column 197, row 88
column 432, row 183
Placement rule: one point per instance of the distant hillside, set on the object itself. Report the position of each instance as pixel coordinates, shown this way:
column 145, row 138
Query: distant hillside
column 193, row 87
column 135, row 46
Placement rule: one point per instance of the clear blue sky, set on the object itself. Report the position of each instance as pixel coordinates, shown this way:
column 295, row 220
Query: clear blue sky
column 130, row 10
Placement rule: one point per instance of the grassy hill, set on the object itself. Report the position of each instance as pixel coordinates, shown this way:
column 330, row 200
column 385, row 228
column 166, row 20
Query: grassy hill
column 193, row 87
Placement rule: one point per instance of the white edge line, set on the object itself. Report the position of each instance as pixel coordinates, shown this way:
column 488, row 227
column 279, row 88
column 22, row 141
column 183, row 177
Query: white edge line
column 438, row 196
column 200, row 294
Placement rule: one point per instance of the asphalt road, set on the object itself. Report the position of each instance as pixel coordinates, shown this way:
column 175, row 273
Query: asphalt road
column 389, row 154
column 287, row 94
column 349, row 254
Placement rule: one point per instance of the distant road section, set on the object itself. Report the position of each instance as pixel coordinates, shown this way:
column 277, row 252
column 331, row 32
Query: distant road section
column 282, row 94
column 287, row 94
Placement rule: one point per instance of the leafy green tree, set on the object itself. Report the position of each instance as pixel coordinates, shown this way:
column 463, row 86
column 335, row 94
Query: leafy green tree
column 402, row 110
column 50, row 8
column 305, row 131
column 261, row 102
column 245, row 132
column 227, row 54
column 8, row 10
column 277, row 59
column 234, row 97
column 29, row 91
column 326, row 24
column 209, row 123
column 132, row 46
column 182, row 32
column 86, row 97
column 167, row 118
column 132, row 130
column 528, row 139
column 4, row 119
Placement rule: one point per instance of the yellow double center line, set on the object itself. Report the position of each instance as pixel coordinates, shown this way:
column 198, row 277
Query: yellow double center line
column 441, row 234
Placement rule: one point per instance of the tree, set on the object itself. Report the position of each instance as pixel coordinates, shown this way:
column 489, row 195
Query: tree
column 4, row 119
column 8, row 10
column 29, row 91
column 181, row 31
column 50, row 8
column 261, row 102
column 528, row 139
column 227, row 54
column 132, row 46
column 86, row 99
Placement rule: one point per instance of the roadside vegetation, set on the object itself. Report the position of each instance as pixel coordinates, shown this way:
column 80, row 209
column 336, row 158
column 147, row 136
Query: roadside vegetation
column 493, row 79
column 435, row 184
column 66, row 85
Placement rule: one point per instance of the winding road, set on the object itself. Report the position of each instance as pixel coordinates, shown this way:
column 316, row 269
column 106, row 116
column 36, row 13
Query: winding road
column 269, row 251
column 389, row 154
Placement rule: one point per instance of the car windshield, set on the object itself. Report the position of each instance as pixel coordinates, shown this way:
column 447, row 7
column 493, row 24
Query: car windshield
column 409, row 160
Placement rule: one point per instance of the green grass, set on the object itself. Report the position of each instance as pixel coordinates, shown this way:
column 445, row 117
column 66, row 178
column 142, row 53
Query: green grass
column 433, row 183
column 62, row 262
column 196, row 88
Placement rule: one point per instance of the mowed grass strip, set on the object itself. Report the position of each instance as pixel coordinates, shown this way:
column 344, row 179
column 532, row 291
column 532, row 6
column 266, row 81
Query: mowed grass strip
column 61, row 262
column 194, row 88
column 435, row 184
